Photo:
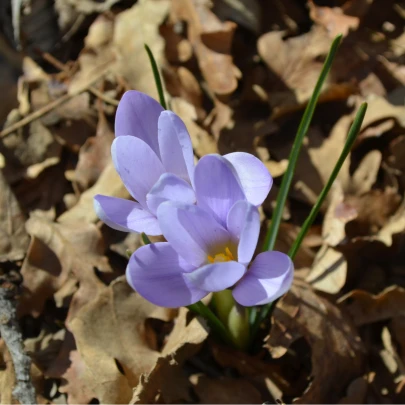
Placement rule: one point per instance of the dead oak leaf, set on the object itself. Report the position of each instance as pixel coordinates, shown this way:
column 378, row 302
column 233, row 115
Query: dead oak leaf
column 365, row 308
column 333, row 19
column 298, row 62
column 336, row 350
column 113, row 352
column 13, row 236
column 58, row 257
column 212, row 40
column 167, row 380
column 94, row 156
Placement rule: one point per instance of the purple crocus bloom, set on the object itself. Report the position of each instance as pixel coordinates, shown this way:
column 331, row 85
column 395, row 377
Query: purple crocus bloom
column 209, row 247
column 153, row 155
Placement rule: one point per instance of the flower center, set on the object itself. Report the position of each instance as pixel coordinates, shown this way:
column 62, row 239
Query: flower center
column 227, row 256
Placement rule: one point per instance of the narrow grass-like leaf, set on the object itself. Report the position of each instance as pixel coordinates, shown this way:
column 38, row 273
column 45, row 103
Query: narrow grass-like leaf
column 351, row 137
column 354, row 131
column 272, row 231
column 292, row 161
column 157, row 77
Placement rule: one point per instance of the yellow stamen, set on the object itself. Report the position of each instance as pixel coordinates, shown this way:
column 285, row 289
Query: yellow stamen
column 222, row 257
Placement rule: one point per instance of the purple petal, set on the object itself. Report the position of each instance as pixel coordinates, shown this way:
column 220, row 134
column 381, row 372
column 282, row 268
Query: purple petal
column 137, row 115
column 253, row 174
column 268, row 278
column 244, row 225
column 176, row 150
column 192, row 232
column 157, row 272
column 125, row 215
column 216, row 276
column 216, row 186
column 169, row 188
column 137, row 165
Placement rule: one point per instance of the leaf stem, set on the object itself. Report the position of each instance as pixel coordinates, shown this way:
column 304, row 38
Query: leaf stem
column 157, row 77
column 201, row 309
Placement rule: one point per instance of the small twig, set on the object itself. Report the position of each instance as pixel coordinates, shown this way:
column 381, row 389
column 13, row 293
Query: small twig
column 51, row 106
column 64, row 68
column 23, row 391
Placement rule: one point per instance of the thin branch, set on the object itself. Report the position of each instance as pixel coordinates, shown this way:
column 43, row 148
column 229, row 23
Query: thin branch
column 23, row 391
column 54, row 104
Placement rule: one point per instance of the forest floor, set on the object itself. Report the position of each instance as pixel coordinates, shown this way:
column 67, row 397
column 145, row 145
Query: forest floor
column 239, row 73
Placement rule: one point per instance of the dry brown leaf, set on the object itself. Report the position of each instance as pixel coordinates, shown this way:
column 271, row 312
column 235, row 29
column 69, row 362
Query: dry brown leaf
column 211, row 40
column 336, row 349
column 109, row 183
column 380, row 214
column 109, row 332
column 94, row 156
column 59, row 255
column 365, row 308
column 337, row 216
column 366, row 174
column 7, row 376
column 13, row 236
column 332, row 19
column 167, row 380
column 380, row 109
column 297, row 63
column 133, row 29
column 225, row 390
column 329, row 271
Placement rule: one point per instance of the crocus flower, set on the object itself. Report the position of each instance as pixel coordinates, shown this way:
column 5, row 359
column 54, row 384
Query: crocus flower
column 153, row 155
column 209, row 247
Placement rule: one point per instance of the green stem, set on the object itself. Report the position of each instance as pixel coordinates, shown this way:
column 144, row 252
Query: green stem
column 351, row 137
column 302, row 130
column 201, row 309
column 157, row 77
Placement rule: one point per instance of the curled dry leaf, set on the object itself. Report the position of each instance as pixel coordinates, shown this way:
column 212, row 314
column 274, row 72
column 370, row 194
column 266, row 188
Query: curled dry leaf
column 366, row 174
column 332, row 19
column 297, row 63
column 133, row 29
column 337, row 353
column 13, row 236
column 167, row 380
column 110, row 336
column 211, row 40
column 329, row 270
column 7, row 376
column 109, row 183
column 58, row 257
column 94, row 156
column 365, row 308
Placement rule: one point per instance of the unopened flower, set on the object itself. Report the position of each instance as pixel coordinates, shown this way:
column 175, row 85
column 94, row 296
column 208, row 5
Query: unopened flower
column 153, row 155
column 209, row 247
